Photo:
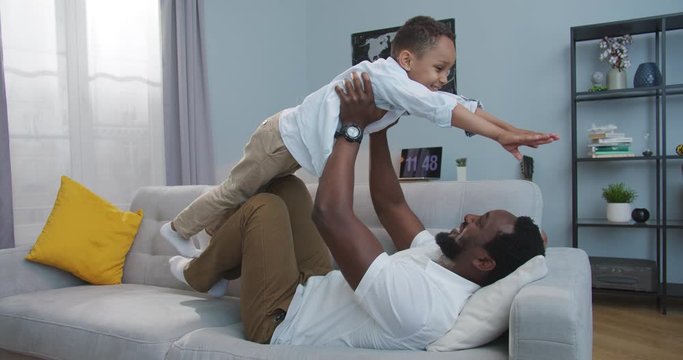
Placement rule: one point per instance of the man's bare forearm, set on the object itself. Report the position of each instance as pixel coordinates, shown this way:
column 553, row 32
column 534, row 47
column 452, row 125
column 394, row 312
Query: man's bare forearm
column 351, row 243
column 385, row 189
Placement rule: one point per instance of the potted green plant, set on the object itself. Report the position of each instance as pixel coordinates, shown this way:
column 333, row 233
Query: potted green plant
column 619, row 198
column 461, row 168
column 615, row 52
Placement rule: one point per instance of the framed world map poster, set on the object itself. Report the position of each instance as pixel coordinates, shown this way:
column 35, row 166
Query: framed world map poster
column 375, row 44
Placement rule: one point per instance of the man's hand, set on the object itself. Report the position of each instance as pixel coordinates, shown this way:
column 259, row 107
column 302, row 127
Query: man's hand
column 511, row 141
column 358, row 101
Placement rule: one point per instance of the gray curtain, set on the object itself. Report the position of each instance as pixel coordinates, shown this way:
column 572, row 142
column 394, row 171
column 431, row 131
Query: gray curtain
column 187, row 125
column 6, row 217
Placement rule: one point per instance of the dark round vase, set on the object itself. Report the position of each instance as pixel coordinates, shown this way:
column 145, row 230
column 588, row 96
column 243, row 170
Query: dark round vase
column 640, row 215
column 646, row 75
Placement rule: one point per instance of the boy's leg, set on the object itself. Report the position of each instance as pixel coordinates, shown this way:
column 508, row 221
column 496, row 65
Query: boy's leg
column 265, row 158
column 258, row 237
column 312, row 255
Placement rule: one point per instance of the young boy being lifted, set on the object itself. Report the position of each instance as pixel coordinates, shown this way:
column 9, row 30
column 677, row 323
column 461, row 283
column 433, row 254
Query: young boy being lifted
column 422, row 54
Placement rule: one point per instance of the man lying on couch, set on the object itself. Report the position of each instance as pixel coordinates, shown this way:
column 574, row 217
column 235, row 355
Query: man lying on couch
column 289, row 293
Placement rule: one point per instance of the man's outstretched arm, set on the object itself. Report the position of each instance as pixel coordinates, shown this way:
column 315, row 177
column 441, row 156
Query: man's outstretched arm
column 352, row 244
column 387, row 196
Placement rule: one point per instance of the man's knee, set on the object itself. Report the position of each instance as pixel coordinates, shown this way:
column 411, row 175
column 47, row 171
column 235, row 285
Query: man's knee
column 285, row 184
column 292, row 190
column 264, row 203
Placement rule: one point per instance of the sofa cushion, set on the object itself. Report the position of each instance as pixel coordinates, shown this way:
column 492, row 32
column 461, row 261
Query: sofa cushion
column 108, row 322
column 222, row 343
column 86, row 235
column 486, row 314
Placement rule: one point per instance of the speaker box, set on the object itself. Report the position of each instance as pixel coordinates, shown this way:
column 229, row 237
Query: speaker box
column 624, row 274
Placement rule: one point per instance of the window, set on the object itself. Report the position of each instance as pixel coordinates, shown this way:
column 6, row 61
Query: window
column 84, row 99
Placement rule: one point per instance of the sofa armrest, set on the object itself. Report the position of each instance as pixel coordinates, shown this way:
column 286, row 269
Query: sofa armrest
column 552, row 318
column 19, row 276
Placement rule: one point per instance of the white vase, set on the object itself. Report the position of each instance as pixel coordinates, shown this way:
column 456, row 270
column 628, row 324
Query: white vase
column 461, row 173
column 619, row 212
column 616, row 79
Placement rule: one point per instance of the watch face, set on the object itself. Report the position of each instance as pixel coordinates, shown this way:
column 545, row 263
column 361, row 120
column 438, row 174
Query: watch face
column 352, row 132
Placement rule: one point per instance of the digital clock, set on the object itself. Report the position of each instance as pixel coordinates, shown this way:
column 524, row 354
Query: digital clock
column 420, row 163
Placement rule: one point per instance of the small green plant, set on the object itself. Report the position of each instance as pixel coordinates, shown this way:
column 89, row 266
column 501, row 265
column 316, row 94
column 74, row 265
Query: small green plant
column 618, row 193
column 461, row 162
column 597, row 88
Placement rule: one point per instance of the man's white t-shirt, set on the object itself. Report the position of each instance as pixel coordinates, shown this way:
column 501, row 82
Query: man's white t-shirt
column 404, row 301
column 308, row 129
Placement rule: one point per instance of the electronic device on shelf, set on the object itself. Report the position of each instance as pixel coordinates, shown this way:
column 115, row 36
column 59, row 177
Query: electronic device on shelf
column 624, row 274
column 420, row 163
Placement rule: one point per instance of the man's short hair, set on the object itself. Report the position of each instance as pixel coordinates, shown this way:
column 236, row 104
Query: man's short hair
column 512, row 250
column 418, row 35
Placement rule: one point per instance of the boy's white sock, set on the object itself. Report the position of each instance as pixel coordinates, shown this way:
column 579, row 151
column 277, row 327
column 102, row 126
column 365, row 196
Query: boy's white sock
column 185, row 247
column 178, row 264
column 202, row 239
column 218, row 289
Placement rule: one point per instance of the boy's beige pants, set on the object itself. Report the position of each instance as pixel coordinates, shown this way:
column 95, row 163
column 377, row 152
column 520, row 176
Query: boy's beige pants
column 265, row 158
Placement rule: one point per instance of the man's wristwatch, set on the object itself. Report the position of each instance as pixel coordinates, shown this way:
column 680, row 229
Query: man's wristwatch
column 350, row 132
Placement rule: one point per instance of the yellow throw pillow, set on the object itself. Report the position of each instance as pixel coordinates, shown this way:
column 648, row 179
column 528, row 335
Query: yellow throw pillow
column 86, row 235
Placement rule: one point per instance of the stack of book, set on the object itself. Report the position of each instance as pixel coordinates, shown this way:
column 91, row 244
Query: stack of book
column 605, row 142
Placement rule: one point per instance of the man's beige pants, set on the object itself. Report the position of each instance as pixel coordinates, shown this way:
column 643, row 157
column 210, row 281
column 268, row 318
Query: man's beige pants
column 273, row 244
column 265, row 158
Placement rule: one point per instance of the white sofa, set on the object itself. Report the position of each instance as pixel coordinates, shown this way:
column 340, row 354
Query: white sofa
column 47, row 313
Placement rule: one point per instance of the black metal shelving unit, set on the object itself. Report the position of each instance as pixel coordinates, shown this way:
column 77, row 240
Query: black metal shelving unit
column 658, row 26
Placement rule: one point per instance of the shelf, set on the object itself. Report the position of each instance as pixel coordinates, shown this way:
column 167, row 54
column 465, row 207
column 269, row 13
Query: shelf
column 632, row 27
column 674, row 89
column 586, row 222
column 654, row 99
column 625, row 158
column 651, row 224
column 674, row 224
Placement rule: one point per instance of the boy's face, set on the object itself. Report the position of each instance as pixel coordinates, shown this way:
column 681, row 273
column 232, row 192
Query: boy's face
column 431, row 69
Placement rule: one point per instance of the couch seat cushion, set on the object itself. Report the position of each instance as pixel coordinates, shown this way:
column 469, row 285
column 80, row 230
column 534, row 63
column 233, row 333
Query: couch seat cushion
column 223, row 343
column 125, row 321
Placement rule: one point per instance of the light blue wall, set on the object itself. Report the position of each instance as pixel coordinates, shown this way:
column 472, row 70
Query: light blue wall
column 512, row 55
column 257, row 66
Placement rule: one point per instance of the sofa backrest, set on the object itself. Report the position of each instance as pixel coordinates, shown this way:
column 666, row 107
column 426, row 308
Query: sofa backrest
column 147, row 260
column 441, row 205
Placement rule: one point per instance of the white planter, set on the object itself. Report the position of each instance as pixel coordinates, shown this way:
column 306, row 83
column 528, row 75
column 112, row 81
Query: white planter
column 461, row 173
column 616, row 79
column 619, row 212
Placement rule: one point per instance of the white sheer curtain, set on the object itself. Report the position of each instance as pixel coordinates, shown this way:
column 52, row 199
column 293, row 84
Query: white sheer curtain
column 84, row 99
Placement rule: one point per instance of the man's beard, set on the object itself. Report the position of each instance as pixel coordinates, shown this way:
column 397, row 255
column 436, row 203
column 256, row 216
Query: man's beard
column 448, row 246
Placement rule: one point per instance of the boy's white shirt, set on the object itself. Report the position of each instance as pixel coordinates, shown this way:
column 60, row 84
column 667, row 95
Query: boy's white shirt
column 308, row 129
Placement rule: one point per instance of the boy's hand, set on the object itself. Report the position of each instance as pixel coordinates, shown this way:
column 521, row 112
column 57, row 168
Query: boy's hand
column 553, row 136
column 511, row 141
column 358, row 101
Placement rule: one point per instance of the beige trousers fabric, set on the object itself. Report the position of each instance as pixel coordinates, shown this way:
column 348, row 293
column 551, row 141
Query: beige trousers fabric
column 265, row 158
column 273, row 244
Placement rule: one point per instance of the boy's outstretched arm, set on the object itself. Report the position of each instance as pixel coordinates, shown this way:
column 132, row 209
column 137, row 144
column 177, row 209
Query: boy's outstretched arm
column 509, row 140
column 506, row 126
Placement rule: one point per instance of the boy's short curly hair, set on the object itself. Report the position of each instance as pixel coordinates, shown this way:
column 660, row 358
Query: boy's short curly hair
column 511, row 251
column 418, row 35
